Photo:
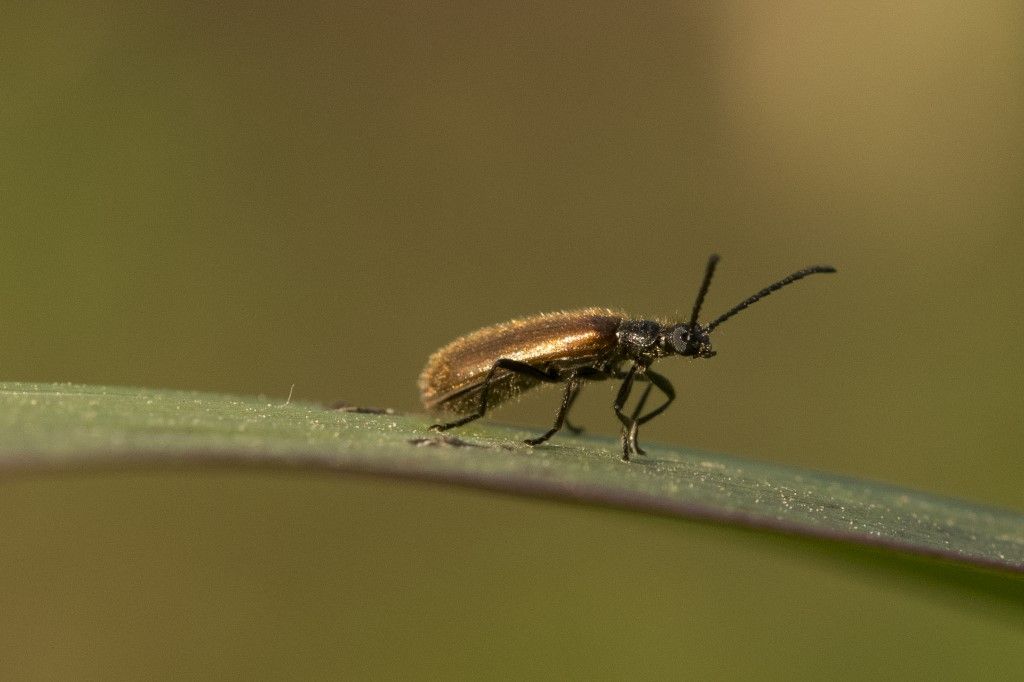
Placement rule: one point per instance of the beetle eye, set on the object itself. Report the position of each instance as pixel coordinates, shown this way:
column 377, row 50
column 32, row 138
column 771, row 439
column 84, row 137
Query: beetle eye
column 680, row 339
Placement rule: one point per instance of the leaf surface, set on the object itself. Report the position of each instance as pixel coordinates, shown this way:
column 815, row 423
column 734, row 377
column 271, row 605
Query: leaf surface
column 55, row 427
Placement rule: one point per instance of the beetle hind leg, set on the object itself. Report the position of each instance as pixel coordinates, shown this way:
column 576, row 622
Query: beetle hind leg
column 515, row 366
column 455, row 424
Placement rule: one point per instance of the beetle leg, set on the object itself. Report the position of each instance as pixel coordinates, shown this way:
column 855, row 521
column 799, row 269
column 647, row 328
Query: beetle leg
column 576, row 430
column 550, row 376
column 646, row 394
column 643, row 400
column 634, row 422
column 659, row 381
column 572, row 388
column 629, row 424
column 665, row 387
column 585, row 372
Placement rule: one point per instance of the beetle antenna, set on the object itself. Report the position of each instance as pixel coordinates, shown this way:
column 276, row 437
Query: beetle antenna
column 800, row 274
column 708, row 273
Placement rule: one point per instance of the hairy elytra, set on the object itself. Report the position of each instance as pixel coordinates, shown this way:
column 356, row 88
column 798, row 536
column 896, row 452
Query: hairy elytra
column 485, row 368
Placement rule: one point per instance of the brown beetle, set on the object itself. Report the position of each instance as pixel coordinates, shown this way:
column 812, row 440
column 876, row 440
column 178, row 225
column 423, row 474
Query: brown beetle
column 489, row 366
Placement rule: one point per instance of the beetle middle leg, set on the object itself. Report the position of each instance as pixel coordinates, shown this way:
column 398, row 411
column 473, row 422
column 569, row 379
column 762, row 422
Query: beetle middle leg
column 572, row 389
column 550, row 376
column 593, row 373
column 576, row 430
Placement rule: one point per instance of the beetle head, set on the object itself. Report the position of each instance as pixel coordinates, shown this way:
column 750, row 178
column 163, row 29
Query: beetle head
column 693, row 342
column 692, row 339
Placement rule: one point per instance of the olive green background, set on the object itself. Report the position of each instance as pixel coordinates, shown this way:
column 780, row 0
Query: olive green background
column 242, row 198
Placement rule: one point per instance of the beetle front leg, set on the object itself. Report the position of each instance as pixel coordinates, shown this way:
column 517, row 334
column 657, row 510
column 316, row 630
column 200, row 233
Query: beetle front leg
column 629, row 424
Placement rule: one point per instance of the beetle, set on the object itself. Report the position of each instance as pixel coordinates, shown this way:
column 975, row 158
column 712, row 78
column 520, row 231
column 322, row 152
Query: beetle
column 491, row 365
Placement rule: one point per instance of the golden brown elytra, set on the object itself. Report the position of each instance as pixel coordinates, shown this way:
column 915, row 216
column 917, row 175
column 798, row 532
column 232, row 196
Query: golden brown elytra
column 454, row 375
column 489, row 366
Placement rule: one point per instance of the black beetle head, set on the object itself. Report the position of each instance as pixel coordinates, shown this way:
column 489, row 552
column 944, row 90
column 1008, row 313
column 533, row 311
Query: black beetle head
column 691, row 339
column 693, row 342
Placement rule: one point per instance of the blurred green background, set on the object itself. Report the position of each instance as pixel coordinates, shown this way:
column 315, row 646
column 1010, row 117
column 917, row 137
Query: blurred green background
column 242, row 198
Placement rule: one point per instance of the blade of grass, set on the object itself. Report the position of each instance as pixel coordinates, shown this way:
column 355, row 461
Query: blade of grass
column 55, row 427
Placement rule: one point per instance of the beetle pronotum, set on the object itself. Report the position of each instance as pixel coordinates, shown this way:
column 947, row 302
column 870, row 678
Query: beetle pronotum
column 487, row 367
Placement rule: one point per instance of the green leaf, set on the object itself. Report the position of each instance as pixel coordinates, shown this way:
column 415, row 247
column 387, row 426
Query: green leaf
column 54, row 427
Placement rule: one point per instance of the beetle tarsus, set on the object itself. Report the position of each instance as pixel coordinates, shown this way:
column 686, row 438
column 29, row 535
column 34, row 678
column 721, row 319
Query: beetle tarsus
column 458, row 422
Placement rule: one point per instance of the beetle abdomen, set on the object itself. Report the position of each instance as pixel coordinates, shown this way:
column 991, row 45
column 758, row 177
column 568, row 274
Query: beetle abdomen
column 454, row 375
